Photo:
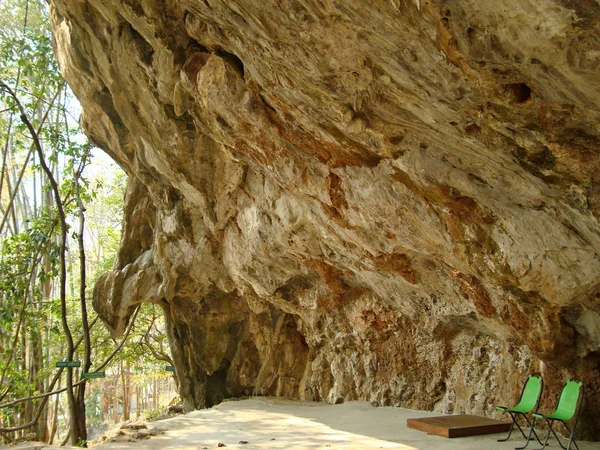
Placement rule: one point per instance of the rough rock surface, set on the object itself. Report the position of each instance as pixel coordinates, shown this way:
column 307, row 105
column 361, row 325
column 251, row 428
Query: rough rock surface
column 394, row 201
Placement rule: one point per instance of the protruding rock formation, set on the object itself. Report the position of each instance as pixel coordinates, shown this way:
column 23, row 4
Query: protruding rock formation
column 395, row 201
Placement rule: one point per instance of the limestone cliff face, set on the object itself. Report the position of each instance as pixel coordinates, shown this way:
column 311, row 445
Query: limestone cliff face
column 395, row 201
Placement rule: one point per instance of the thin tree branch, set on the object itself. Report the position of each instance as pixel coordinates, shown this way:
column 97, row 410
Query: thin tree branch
column 54, row 380
column 116, row 350
column 58, row 391
column 6, row 392
column 10, row 121
column 66, row 439
column 78, row 433
column 12, row 210
column 87, row 352
column 36, row 260
column 40, row 100
column 157, row 354
column 37, row 132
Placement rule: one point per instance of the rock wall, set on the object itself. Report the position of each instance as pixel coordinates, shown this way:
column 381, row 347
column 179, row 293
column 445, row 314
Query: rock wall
column 393, row 201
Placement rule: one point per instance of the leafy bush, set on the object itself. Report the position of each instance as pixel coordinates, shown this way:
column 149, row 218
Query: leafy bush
column 152, row 415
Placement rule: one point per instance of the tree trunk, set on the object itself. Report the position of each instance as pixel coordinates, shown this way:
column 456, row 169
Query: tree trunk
column 125, row 376
column 87, row 352
column 41, row 428
column 155, row 394
column 54, row 427
column 77, row 415
column 26, row 408
column 37, row 365
column 116, row 400
column 137, row 401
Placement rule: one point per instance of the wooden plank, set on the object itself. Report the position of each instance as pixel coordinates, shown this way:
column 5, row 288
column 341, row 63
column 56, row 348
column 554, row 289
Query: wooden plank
column 458, row 426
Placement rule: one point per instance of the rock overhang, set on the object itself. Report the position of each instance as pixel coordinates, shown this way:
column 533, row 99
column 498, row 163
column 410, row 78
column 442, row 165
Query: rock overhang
column 340, row 200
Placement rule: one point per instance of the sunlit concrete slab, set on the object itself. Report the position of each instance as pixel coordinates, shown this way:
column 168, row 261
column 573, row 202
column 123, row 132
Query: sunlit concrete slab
column 267, row 423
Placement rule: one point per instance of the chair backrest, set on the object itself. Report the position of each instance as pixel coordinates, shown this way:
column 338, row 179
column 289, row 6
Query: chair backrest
column 531, row 392
column 569, row 397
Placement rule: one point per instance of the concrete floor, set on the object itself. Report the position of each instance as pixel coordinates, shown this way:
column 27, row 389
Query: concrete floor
column 284, row 424
column 266, row 423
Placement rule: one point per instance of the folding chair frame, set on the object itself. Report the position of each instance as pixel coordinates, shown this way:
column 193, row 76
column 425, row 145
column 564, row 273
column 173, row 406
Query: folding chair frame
column 571, row 432
column 514, row 415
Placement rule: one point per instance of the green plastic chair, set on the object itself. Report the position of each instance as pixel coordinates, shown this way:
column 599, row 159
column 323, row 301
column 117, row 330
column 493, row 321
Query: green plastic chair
column 569, row 405
column 529, row 401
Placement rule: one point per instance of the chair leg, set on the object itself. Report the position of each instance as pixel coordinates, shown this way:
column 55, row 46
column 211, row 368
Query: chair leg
column 572, row 441
column 571, row 435
column 528, row 437
column 519, row 427
column 531, row 429
column 558, row 440
column 551, row 430
column 512, row 425
column 545, row 444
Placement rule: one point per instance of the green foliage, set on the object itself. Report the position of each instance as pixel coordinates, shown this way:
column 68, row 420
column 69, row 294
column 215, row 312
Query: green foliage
column 29, row 244
column 29, row 250
column 19, row 254
column 27, row 51
column 152, row 415
column 104, row 214
column 94, row 407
